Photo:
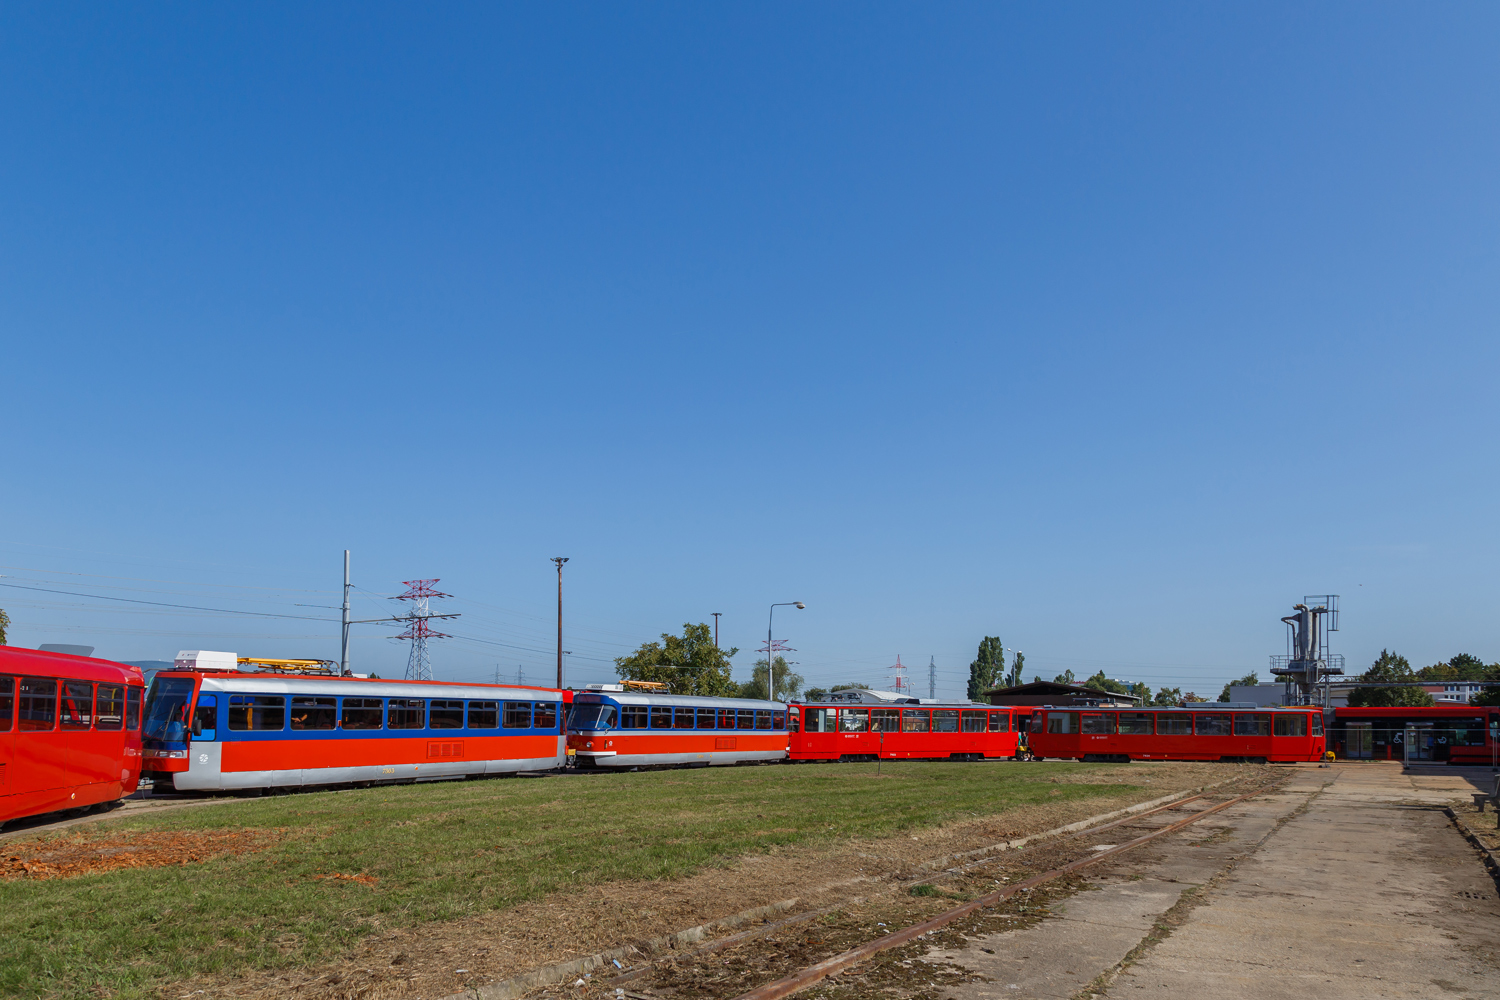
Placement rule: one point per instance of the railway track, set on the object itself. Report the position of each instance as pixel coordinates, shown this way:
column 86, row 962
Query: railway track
column 803, row 950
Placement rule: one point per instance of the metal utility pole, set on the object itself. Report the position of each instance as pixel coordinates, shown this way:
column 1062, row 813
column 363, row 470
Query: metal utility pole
column 771, row 648
column 932, row 678
column 559, row 560
column 716, row 628
column 344, row 643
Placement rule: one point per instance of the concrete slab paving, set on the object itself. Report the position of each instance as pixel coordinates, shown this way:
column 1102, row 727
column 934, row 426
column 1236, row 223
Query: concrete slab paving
column 1345, row 882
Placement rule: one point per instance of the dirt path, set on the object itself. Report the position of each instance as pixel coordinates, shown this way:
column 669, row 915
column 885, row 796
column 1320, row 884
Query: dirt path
column 435, row 960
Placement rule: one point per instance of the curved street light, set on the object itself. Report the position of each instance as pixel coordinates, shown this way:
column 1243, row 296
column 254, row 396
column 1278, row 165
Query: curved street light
column 770, row 653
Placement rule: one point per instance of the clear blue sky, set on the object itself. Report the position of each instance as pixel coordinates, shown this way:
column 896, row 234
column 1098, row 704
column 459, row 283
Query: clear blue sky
column 1111, row 329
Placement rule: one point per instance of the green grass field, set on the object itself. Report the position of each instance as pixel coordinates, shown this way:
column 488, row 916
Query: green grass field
column 446, row 850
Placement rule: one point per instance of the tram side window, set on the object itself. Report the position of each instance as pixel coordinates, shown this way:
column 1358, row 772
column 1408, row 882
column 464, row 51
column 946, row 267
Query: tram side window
column 1317, row 723
column 763, row 719
column 77, row 704
column 110, row 707
column 726, row 718
column 974, row 721
column 7, row 702
column 484, row 715
column 205, row 716
column 445, row 715
column 406, row 713
column 310, row 712
column 885, row 720
column 1211, row 725
column 685, row 718
column 1097, row 723
column 818, row 720
column 632, row 716
column 516, row 715
column 746, row 718
column 945, row 720
column 854, row 720
column 1172, row 724
column 1135, row 723
column 133, row 697
column 708, row 718
column 1062, row 722
column 545, row 716
column 362, row 713
column 1291, row 724
column 916, row 722
column 1252, row 725
column 257, row 712
column 778, row 721
column 999, row 722
column 661, row 718
column 36, row 704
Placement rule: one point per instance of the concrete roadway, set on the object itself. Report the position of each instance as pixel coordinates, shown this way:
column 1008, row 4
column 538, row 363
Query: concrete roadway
column 1348, row 881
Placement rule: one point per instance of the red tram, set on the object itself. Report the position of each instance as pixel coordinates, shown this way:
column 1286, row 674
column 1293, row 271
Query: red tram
column 69, row 731
column 1455, row 734
column 1197, row 733
column 908, row 732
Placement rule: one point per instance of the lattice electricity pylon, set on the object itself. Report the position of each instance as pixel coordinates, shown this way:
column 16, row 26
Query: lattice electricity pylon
column 418, row 664
column 901, row 685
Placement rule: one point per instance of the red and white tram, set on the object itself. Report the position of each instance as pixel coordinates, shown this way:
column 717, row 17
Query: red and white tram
column 614, row 728
column 69, row 731
column 219, row 730
column 909, row 732
column 1191, row 733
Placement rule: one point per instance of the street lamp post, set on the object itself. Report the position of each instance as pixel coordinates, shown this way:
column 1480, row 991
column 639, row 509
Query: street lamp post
column 559, row 560
column 770, row 652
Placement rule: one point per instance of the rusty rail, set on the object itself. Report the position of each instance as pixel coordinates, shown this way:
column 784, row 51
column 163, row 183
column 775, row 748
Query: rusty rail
column 829, row 966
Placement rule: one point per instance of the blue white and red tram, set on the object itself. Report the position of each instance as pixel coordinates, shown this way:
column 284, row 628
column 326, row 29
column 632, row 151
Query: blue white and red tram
column 1201, row 732
column 69, row 731
column 217, row 730
column 611, row 727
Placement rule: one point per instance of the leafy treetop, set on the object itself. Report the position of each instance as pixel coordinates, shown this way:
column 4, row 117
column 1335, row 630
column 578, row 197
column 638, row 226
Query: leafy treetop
column 689, row 664
column 1389, row 668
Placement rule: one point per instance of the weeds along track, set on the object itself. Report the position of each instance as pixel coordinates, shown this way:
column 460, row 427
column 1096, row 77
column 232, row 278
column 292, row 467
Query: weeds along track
column 866, row 946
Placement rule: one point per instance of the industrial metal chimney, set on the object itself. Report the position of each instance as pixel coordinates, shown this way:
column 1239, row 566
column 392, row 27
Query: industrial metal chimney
column 1308, row 662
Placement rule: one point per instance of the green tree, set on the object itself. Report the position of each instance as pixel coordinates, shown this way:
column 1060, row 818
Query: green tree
column 787, row 683
column 988, row 669
column 1388, row 668
column 1066, row 677
column 1141, row 692
column 689, row 663
column 1249, row 680
column 1191, row 697
column 4, row 624
column 1168, row 697
column 1463, row 667
column 1489, row 696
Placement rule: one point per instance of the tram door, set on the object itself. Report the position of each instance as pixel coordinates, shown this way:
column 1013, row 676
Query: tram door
column 1417, row 743
column 1360, row 739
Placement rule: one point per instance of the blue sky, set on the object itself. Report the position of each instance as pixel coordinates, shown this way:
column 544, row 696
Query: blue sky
column 1109, row 329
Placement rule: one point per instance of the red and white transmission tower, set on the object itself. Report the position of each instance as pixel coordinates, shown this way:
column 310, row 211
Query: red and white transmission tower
column 902, row 685
column 418, row 664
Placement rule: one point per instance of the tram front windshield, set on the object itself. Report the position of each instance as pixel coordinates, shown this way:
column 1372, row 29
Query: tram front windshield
column 592, row 717
column 166, row 709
